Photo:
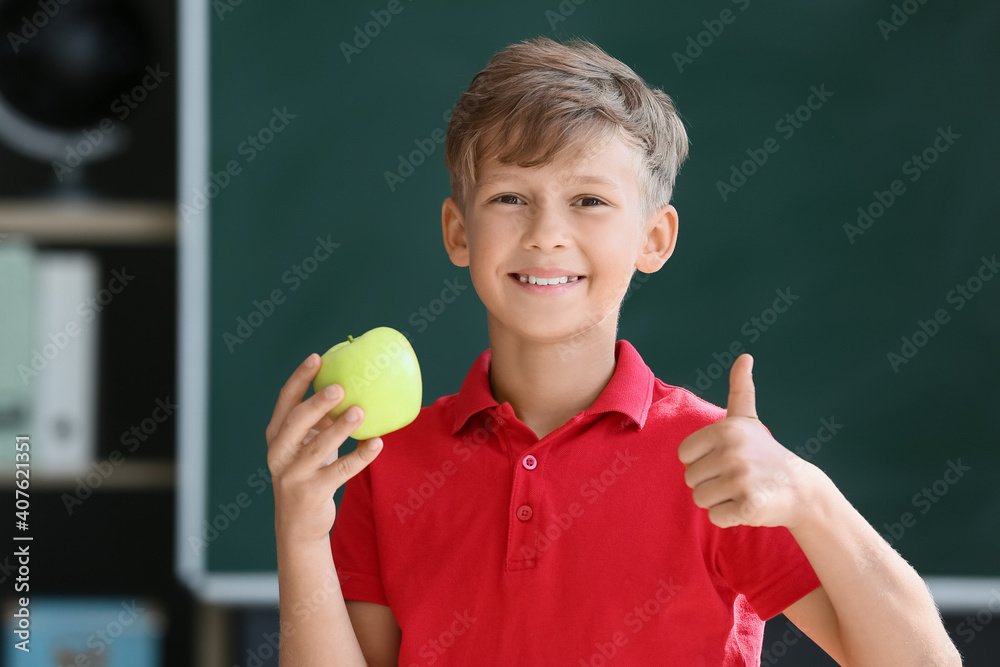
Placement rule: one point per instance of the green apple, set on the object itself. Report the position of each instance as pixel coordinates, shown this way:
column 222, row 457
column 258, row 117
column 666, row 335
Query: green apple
column 379, row 372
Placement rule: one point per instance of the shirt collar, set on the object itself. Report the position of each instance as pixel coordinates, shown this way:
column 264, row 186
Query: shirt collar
column 629, row 391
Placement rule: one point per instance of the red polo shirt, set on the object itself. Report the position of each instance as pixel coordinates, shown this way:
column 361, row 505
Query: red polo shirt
column 493, row 547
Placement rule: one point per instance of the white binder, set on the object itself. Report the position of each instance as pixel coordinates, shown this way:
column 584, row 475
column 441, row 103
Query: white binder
column 66, row 345
column 17, row 328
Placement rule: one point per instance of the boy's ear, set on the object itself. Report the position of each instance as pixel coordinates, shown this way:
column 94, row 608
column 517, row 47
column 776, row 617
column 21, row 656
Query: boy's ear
column 659, row 240
column 453, row 230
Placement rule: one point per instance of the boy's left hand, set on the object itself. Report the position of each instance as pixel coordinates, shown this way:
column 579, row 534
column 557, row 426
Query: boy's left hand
column 738, row 471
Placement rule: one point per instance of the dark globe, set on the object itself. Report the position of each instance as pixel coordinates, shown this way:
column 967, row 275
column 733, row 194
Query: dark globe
column 66, row 69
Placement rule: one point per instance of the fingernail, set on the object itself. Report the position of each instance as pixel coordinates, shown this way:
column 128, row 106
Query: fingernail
column 333, row 391
column 353, row 415
column 311, row 360
column 374, row 444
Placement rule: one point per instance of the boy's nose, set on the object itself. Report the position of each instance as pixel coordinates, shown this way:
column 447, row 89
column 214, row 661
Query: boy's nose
column 546, row 228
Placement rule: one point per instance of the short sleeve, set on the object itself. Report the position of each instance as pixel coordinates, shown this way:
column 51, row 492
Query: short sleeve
column 766, row 566
column 353, row 543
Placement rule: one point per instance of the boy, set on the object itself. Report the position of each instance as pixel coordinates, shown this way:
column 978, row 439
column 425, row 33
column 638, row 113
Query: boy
column 566, row 507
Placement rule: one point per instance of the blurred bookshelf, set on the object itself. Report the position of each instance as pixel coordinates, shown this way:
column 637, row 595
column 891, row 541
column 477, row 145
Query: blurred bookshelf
column 117, row 495
column 104, row 238
column 88, row 297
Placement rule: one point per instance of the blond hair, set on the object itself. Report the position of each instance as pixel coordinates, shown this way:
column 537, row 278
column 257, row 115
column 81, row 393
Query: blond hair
column 540, row 100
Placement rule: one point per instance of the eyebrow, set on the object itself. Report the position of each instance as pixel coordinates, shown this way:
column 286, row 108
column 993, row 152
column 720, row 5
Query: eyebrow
column 582, row 179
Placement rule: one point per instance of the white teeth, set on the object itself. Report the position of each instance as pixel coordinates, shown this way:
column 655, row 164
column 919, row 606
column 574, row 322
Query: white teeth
column 532, row 280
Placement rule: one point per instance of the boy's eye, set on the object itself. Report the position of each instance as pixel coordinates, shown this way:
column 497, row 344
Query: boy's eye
column 506, row 199
column 594, row 201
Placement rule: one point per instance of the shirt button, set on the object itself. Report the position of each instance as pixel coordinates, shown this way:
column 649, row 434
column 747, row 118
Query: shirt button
column 523, row 512
column 529, row 462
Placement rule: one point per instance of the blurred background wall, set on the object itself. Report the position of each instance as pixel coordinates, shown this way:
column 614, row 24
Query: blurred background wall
column 164, row 167
column 88, row 314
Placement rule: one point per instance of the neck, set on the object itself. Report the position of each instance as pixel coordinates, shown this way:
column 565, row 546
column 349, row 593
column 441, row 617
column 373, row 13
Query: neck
column 547, row 383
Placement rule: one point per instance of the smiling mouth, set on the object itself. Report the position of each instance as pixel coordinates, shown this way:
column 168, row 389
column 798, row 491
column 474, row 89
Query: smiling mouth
column 532, row 280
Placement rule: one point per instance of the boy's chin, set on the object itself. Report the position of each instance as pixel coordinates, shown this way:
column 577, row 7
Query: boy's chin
column 561, row 333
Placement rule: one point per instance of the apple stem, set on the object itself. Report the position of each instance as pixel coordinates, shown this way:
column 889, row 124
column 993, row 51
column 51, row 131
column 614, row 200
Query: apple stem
column 350, row 338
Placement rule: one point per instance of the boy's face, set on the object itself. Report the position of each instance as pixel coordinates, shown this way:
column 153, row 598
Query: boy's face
column 571, row 220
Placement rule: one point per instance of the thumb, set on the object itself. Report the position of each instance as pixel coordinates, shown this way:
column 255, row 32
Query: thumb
column 742, row 395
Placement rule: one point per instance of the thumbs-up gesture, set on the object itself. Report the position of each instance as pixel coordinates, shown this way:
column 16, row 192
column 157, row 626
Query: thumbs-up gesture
column 738, row 471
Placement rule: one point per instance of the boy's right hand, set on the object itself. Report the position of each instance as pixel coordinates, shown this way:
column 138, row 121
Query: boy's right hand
column 302, row 449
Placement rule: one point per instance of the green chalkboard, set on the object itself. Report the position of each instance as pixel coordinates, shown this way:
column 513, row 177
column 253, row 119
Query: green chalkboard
column 840, row 191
